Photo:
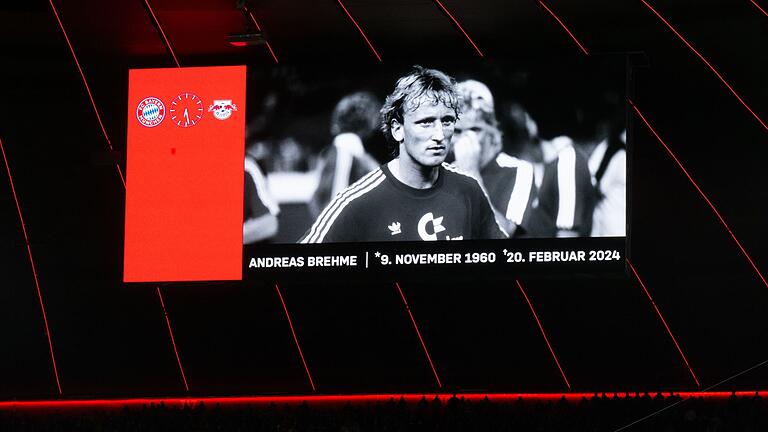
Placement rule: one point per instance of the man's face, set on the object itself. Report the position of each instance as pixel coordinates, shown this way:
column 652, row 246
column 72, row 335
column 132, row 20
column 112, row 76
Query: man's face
column 425, row 135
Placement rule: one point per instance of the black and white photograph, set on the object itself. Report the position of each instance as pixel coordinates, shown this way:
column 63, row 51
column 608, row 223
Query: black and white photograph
column 436, row 151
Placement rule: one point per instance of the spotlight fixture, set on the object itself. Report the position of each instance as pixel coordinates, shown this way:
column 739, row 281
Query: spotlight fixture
column 246, row 39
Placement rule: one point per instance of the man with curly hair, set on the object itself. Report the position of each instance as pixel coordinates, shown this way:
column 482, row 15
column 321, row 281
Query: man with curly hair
column 415, row 196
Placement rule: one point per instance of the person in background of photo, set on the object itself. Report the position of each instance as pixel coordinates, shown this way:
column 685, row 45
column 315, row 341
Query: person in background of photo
column 345, row 161
column 477, row 147
column 259, row 210
column 415, row 196
column 608, row 165
column 566, row 195
column 595, row 122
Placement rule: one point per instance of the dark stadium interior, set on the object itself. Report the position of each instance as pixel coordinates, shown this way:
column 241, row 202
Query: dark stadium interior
column 111, row 340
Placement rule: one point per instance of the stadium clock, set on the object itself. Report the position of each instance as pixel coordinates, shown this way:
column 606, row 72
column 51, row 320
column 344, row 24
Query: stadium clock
column 186, row 110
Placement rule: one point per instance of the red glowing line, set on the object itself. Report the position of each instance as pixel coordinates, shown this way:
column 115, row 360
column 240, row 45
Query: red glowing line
column 663, row 321
column 455, row 21
column 87, row 89
column 295, row 339
column 712, row 206
column 360, row 30
column 34, row 270
column 269, row 47
column 418, row 333
column 159, row 27
column 45, row 317
column 357, row 398
column 173, row 341
column 758, row 6
column 13, row 190
column 708, row 64
column 564, row 27
column 530, row 305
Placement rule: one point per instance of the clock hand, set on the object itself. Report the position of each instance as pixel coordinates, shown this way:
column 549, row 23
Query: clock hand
column 186, row 115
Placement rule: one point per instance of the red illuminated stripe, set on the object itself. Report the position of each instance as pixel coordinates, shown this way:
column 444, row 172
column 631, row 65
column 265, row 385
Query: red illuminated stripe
column 709, row 65
column 663, row 321
column 758, row 6
column 162, row 33
column 173, row 341
column 455, row 21
column 34, row 270
column 269, row 47
column 712, row 206
column 295, row 339
column 418, row 333
column 552, row 351
column 87, row 89
column 356, row 398
column 564, row 27
column 360, row 30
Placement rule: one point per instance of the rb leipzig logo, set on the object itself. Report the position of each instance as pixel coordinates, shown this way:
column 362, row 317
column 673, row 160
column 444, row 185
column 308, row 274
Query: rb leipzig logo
column 222, row 108
column 150, row 112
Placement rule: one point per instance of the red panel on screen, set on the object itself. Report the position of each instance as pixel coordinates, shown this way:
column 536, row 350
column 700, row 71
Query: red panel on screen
column 184, row 197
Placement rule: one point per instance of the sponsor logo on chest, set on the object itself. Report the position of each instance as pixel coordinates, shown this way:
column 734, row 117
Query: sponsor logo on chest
column 428, row 228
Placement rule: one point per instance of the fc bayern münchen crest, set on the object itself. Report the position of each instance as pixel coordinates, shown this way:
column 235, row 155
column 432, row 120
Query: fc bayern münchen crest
column 150, row 112
column 222, row 108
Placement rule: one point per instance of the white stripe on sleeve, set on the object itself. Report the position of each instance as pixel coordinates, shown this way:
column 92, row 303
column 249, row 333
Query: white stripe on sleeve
column 345, row 202
column 521, row 193
column 336, row 201
column 566, row 186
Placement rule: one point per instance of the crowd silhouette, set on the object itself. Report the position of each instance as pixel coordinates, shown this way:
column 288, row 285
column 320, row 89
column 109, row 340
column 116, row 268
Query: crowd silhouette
column 636, row 412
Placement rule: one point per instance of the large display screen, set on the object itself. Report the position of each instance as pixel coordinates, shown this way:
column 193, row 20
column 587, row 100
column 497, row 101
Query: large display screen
column 509, row 168
column 184, row 179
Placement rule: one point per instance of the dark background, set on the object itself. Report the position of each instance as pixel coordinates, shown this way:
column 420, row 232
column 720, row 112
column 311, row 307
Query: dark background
column 111, row 339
